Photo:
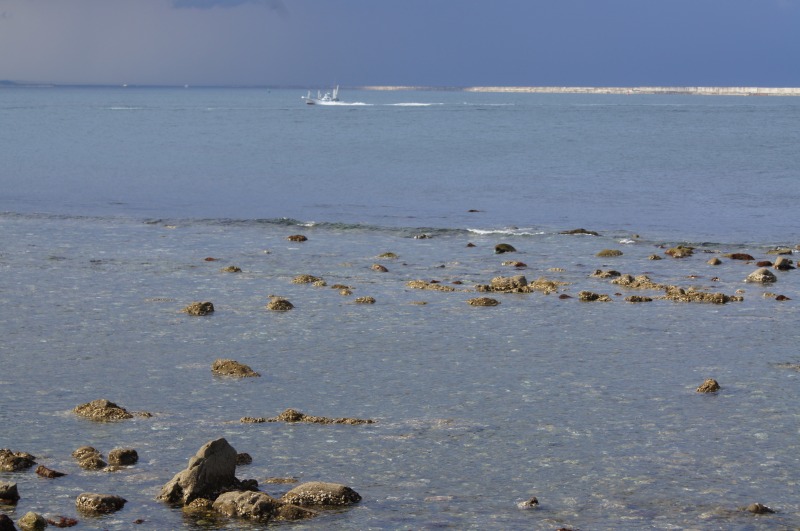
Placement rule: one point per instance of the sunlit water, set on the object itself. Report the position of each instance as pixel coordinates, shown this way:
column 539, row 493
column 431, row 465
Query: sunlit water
column 113, row 200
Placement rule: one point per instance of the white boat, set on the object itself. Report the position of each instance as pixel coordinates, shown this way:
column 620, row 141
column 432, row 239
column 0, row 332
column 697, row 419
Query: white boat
column 322, row 99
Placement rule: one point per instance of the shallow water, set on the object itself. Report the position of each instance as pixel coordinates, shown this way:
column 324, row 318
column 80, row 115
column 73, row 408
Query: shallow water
column 112, row 201
column 591, row 407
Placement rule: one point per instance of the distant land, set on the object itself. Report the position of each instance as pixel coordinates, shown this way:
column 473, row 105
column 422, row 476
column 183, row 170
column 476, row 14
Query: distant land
column 702, row 91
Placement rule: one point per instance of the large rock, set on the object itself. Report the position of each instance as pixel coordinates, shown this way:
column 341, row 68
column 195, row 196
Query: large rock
column 210, row 471
column 8, row 493
column 6, row 523
column 123, row 456
column 92, row 503
column 762, row 276
column 32, row 522
column 322, row 494
column 11, row 461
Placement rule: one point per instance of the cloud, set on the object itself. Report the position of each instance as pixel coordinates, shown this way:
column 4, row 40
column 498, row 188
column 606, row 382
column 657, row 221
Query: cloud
column 274, row 5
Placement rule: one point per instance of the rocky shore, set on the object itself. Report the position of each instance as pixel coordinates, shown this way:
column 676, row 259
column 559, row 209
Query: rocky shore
column 208, row 486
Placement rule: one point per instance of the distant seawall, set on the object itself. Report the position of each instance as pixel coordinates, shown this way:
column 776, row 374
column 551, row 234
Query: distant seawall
column 702, row 91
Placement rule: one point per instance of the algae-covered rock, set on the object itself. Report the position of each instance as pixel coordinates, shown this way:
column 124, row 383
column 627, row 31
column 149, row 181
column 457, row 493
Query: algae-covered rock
column 609, row 253
column 321, row 494
column 11, row 461
column 102, row 410
column 199, row 308
column 225, row 367
column 279, row 304
column 483, row 301
column 710, row 385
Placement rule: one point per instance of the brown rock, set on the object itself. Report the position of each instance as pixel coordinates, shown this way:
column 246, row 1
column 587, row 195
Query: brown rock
column 211, row 471
column 739, row 256
column 233, row 368
column 483, row 301
column 62, row 521
column 8, row 493
column 680, row 251
column 714, row 261
column 588, row 296
column 199, row 308
column 608, row 253
column 279, row 304
column 99, row 503
column 45, row 472
column 501, row 248
column 257, row 506
column 297, row 238
column 782, row 264
column 305, row 279
column 580, row 231
column 758, row 508
column 123, row 456
column 379, row 268
column 762, row 276
column 364, row 300
column 11, row 461
column 321, row 494
column 709, row 386
column 102, row 410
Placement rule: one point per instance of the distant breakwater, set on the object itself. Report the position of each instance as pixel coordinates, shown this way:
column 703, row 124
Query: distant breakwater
column 702, row 91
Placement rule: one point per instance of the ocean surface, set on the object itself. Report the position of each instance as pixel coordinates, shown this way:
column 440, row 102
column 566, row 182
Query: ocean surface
column 113, row 200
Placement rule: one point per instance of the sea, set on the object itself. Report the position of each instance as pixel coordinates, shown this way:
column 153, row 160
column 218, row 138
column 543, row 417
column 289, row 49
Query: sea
column 120, row 206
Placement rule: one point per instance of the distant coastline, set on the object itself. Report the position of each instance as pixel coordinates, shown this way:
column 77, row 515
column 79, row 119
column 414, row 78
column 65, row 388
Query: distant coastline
column 702, row 91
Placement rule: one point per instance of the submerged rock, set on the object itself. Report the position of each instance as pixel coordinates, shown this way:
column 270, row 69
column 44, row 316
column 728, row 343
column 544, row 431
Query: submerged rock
column 225, row 367
column 292, row 415
column 680, row 251
column 297, row 238
column 32, row 521
column 199, row 308
column 608, row 253
column 758, row 508
column 589, row 296
column 501, row 248
column 231, row 269
column 321, row 494
column 423, row 284
column 580, row 231
column 99, row 503
column 45, row 472
column 380, row 268
column 483, row 301
column 305, row 279
column 364, row 300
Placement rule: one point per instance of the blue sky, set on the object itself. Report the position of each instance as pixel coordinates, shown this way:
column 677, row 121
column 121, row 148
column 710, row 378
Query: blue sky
column 402, row 42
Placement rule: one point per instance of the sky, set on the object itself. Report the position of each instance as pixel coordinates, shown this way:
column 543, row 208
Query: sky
column 447, row 43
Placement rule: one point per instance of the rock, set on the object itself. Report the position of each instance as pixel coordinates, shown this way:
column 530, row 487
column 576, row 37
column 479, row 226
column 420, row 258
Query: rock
column 529, row 504
column 297, row 238
column 508, row 284
column 599, row 273
column 305, row 279
column 102, row 410
column 580, row 231
column 62, row 521
column 423, row 284
column 588, row 296
column 279, row 304
column 780, row 250
column 638, row 298
column 290, row 513
column 123, row 456
column 92, row 462
column 654, row 257
column 714, row 261
column 739, row 256
column 364, row 300
column 231, row 269
column 199, row 308
column 257, row 506
column 483, row 301
column 243, row 458
column 762, row 276
column 84, row 451
column 607, row 253
column 210, row 471
column 501, row 248
column 709, row 386
column 92, row 503
column 11, row 461
column 390, row 256
column 32, row 522
column 8, row 493
column 6, row 524
column 758, row 508
column 322, row 494
column 380, row 268
column 45, row 472
column 225, row 367
column 782, row 264
column 292, row 415
column 319, row 283
column 680, row 251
